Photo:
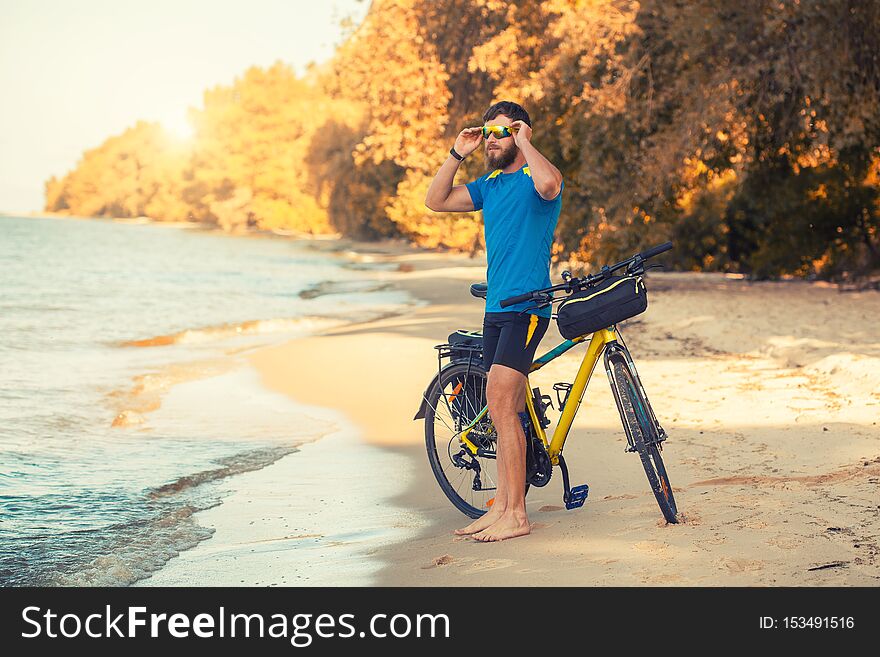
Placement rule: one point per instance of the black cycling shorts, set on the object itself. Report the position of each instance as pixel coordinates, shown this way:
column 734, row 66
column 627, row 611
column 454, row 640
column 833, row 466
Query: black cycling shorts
column 512, row 338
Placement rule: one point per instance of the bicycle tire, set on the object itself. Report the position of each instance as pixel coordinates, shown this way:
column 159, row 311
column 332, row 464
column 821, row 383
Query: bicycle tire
column 443, row 421
column 634, row 414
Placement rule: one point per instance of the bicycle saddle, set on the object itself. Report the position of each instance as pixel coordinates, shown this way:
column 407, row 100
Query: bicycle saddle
column 479, row 290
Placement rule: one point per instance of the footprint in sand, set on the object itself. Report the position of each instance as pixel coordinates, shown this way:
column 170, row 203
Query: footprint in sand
column 740, row 565
column 490, row 564
column 650, row 547
column 784, row 542
column 550, row 507
column 445, row 560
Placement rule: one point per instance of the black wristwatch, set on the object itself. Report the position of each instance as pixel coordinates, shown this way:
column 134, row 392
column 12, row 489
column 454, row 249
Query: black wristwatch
column 455, row 155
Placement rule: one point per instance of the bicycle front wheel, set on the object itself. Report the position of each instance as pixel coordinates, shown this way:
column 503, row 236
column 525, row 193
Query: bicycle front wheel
column 469, row 480
column 634, row 414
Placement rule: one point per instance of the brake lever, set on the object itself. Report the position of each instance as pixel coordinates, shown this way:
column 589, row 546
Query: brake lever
column 546, row 299
column 643, row 268
column 536, row 307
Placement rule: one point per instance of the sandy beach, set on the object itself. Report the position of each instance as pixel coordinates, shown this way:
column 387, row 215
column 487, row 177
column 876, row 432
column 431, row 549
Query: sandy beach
column 770, row 394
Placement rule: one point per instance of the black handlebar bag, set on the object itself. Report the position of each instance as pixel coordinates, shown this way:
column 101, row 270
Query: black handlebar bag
column 611, row 301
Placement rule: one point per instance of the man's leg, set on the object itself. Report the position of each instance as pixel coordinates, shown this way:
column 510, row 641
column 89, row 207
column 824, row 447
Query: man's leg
column 491, row 335
column 499, row 505
column 505, row 392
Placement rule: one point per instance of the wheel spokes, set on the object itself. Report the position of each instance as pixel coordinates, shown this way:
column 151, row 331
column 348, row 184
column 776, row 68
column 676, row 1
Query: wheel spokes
column 463, row 398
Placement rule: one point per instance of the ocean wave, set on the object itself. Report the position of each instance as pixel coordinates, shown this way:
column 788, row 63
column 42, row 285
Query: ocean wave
column 234, row 329
column 139, row 551
column 133, row 550
column 145, row 394
column 246, row 462
column 323, row 288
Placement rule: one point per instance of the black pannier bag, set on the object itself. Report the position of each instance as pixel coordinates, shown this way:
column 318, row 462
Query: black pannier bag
column 611, row 301
column 466, row 345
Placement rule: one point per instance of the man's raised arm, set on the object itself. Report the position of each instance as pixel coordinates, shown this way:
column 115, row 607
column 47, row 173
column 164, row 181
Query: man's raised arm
column 545, row 176
column 442, row 196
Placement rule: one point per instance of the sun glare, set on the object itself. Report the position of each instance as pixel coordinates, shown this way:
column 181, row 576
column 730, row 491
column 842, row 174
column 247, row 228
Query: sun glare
column 178, row 126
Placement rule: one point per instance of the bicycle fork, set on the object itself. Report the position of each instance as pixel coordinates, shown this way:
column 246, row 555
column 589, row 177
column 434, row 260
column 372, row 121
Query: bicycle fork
column 618, row 349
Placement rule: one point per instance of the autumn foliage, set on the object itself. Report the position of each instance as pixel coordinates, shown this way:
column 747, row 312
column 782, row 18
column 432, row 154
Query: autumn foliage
column 748, row 132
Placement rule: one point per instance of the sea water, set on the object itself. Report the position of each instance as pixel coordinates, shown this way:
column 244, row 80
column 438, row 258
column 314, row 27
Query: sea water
column 101, row 467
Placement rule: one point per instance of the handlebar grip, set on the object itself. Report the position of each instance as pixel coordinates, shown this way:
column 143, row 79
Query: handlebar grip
column 656, row 250
column 517, row 299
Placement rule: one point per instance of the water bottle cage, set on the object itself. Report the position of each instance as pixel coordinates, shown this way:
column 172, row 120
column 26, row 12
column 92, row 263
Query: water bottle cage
column 560, row 388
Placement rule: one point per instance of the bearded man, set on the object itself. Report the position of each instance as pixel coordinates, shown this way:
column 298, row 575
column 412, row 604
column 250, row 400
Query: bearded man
column 520, row 197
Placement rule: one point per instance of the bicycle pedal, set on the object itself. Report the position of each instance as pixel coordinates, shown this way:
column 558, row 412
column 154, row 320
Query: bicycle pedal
column 577, row 496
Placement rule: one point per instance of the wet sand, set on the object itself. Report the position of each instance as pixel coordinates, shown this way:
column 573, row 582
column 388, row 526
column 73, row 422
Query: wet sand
column 308, row 519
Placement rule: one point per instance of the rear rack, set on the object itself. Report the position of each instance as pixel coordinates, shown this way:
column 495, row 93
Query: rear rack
column 461, row 352
column 447, row 349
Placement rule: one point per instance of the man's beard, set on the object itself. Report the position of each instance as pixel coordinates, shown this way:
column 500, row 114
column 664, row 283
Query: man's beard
column 501, row 160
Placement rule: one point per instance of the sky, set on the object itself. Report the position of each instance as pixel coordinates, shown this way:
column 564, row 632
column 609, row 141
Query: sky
column 75, row 72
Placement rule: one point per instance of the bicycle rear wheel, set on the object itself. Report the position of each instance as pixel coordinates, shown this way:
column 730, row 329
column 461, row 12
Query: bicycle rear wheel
column 454, row 401
column 635, row 415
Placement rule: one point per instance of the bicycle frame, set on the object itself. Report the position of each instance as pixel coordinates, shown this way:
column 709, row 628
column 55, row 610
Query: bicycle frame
column 598, row 343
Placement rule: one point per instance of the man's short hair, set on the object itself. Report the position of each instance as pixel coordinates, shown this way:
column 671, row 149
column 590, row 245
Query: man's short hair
column 513, row 111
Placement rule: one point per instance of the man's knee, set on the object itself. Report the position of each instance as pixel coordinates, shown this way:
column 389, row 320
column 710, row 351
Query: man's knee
column 505, row 389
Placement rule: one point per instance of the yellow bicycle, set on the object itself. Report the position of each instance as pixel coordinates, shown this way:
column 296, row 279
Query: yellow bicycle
column 459, row 433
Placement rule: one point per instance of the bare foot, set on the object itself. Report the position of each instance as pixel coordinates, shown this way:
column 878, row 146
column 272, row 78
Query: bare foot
column 507, row 526
column 489, row 518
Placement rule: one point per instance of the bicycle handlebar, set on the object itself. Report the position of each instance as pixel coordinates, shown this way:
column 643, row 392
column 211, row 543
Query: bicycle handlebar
column 575, row 283
column 517, row 299
column 656, row 250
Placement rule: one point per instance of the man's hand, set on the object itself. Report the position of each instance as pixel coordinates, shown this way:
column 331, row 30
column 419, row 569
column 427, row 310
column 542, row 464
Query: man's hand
column 468, row 141
column 522, row 132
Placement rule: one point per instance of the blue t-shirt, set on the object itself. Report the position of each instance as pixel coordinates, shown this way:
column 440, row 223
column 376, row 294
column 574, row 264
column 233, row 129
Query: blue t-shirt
column 519, row 227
